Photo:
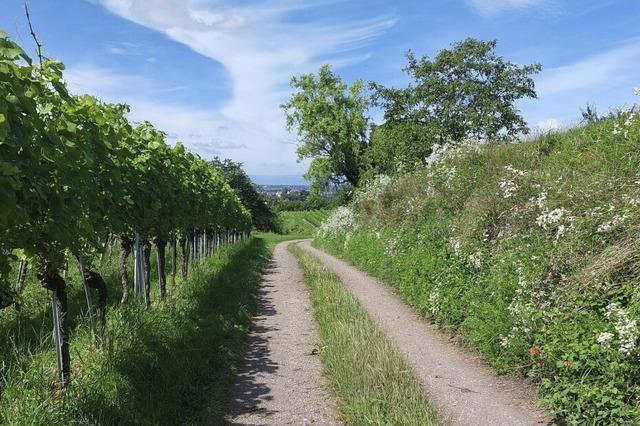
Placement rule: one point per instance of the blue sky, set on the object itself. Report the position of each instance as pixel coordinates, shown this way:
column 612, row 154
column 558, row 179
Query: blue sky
column 212, row 72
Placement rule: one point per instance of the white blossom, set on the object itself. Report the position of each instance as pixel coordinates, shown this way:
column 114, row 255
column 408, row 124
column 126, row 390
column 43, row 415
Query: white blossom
column 625, row 327
column 341, row 222
column 611, row 224
column 604, row 338
column 508, row 188
column 549, row 218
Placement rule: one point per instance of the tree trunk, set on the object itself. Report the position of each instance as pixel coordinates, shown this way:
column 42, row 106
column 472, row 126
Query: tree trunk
column 146, row 258
column 125, row 250
column 173, row 261
column 161, row 246
column 51, row 280
column 185, row 256
column 95, row 281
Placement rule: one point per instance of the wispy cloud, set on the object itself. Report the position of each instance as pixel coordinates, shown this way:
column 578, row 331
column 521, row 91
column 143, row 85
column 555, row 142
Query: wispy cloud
column 604, row 80
column 261, row 46
column 492, row 7
column 548, row 125
column 594, row 73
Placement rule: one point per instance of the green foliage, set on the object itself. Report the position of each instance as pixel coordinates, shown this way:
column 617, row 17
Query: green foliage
column 73, row 170
column 371, row 379
column 330, row 120
column 315, row 201
column 250, row 194
column 176, row 362
column 527, row 251
column 301, row 223
column 466, row 92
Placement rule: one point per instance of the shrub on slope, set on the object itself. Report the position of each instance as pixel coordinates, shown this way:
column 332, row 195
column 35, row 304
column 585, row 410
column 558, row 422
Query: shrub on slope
column 531, row 251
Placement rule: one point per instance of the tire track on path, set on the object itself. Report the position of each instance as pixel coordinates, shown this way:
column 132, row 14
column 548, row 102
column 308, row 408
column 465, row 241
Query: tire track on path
column 281, row 383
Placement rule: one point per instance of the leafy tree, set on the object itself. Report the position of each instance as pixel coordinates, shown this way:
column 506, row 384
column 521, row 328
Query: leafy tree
column 466, row 92
column 330, row 120
column 398, row 147
column 249, row 193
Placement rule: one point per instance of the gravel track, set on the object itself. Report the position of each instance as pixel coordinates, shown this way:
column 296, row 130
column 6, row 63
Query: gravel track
column 461, row 386
column 281, row 383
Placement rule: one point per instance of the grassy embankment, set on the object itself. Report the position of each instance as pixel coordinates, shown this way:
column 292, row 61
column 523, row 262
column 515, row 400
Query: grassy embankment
column 371, row 380
column 529, row 252
column 173, row 363
column 302, row 223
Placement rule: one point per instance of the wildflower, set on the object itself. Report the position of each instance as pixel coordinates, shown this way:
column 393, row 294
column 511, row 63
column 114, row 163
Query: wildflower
column 374, row 189
column 455, row 244
column 625, row 327
column 549, row 218
column 474, row 261
column 613, row 223
column 508, row 188
column 509, row 168
column 391, row 248
column 341, row 221
column 604, row 338
column 569, row 363
column 434, row 303
column 616, row 129
column 540, row 200
column 505, row 341
column 534, row 350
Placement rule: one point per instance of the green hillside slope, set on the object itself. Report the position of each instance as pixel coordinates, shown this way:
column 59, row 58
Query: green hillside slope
column 530, row 252
column 302, row 223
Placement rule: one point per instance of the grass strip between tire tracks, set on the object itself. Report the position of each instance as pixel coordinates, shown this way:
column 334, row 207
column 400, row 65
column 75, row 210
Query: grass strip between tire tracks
column 372, row 381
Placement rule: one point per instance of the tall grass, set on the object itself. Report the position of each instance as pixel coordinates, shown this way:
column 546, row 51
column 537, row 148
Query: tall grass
column 371, row 380
column 529, row 252
column 172, row 364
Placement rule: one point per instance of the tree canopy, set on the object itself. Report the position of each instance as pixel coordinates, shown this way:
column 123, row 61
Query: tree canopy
column 465, row 92
column 330, row 119
column 249, row 193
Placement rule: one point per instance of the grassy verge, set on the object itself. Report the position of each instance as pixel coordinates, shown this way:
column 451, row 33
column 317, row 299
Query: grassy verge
column 172, row 364
column 530, row 252
column 371, row 380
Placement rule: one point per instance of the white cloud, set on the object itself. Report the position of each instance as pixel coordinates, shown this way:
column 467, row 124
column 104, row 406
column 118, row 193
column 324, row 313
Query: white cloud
column 492, row 7
column 203, row 131
column 548, row 125
column 594, row 73
column 604, row 80
column 114, row 50
column 261, row 47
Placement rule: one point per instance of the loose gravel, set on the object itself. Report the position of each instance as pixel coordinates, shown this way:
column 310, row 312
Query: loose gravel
column 281, row 382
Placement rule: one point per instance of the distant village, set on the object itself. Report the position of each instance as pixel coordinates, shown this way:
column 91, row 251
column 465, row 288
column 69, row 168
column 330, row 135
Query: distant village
column 287, row 192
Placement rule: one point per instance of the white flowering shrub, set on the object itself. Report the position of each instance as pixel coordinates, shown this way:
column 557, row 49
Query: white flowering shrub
column 342, row 221
column 626, row 329
column 374, row 189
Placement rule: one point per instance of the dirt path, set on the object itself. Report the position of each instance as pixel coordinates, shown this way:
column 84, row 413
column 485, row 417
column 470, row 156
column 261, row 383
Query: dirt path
column 460, row 385
column 281, row 383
